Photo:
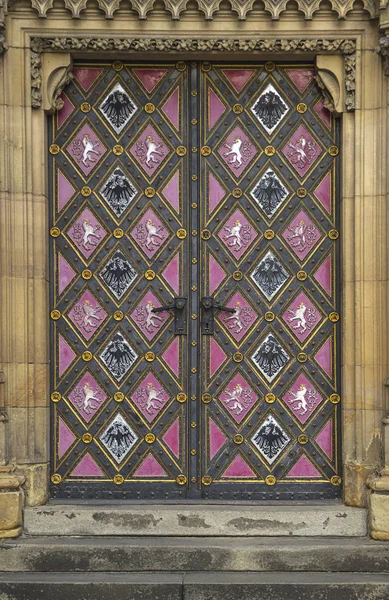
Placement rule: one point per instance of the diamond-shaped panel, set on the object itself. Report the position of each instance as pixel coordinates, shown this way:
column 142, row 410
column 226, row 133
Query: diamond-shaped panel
column 118, row 108
column 301, row 234
column 118, row 356
column 302, row 398
column 270, row 439
column 86, row 149
column 270, row 193
column 150, row 233
column 118, row 274
column 237, row 234
column 270, row 358
column 149, row 150
column 302, row 316
column 270, row 109
column 118, row 438
column 301, row 150
column 87, row 397
column 86, row 232
column 150, row 397
column 118, row 192
column 148, row 322
column 238, row 397
column 270, row 275
column 87, row 314
column 243, row 317
column 237, row 151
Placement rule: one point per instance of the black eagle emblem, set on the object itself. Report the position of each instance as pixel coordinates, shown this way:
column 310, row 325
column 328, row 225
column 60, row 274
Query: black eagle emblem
column 269, row 193
column 118, row 356
column 118, row 439
column 118, row 192
column 270, row 439
column 270, row 275
column 118, row 274
column 270, row 357
column 270, row 109
column 118, row 108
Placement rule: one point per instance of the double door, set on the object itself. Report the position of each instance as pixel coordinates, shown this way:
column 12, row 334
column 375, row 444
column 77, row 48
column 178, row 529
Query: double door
column 194, row 295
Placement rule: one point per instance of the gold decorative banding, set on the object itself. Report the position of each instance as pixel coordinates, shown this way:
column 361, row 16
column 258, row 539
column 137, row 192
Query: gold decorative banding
column 55, row 232
column 149, row 275
column 301, row 108
column 86, row 191
column 238, row 438
column 55, row 397
column 206, row 151
column 270, row 398
column 237, row 275
column 118, row 479
column 334, row 317
column 270, row 66
column 54, row 149
column 180, row 65
column 206, row 480
column 269, row 234
column 87, row 274
column 333, row 150
column 237, row 357
column 335, row 398
column 181, row 234
column 206, row 234
column 302, row 357
column 87, row 438
column 85, row 107
column 181, row 150
column 87, row 356
column 118, row 315
column 181, row 397
column 118, row 396
column 117, row 65
column 149, row 108
column 303, row 439
column 237, row 193
column 149, row 192
column 206, row 398
column 333, row 234
column 301, row 275
column 269, row 316
column 270, row 150
column 149, row 438
column 56, row 478
column 237, row 109
column 336, row 480
column 118, row 150
column 149, row 356
column 301, row 192
column 55, row 315
column 270, row 480
column 206, row 66
column 181, row 479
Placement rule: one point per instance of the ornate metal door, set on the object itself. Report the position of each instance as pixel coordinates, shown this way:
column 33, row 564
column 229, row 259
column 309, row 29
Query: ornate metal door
column 194, row 260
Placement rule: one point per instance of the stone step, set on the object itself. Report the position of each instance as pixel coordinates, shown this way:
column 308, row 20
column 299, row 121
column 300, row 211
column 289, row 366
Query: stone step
column 321, row 519
column 163, row 554
column 194, row 586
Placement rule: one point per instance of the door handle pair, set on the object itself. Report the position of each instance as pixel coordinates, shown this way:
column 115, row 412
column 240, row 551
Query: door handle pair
column 208, row 307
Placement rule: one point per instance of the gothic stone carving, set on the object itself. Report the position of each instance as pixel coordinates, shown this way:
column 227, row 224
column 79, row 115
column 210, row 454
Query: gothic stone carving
column 383, row 49
column 346, row 47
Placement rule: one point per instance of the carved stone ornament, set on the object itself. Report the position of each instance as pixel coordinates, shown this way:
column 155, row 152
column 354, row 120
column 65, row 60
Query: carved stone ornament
column 58, row 80
column 345, row 47
column 383, row 50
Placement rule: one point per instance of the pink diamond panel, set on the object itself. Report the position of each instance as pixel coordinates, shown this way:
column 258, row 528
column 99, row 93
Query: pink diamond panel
column 65, row 356
column 323, row 192
column 323, row 113
column 324, row 439
column 87, row 397
column 303, row 468
column 238, row 77
column 238, row 398
column 148, row 322
column 237, row 151
column 87, row 467
column 150, row 397
column 65, row 111
column 150, row 78
column 149, row 151
column 301, row 151
column 301, row 235
column 86, row 149
column 216, row 357
column 240, row 321
column 150, row 233
column 239, row 469
column 65, row 274
column 301, row 77
column 87, row 315
column 171, row 356
column 65, row 438
column 171, row 108
column 302, row 398
column 323, row 275
column 150, row 467
column 324, row 357
column 171, row 273
column 302, row 317
column 216, row 109
column 237, row 234
column 172, row 191
column 216, row 193
column 217, row 439
column 86, row 77
column 64, row 191
column 216, row 275
column 86, row 232
column 172, row 438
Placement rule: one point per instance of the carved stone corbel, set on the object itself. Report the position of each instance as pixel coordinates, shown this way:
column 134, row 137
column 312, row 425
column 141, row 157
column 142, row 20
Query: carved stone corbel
column 57, row 73
column 330, row 78
column 383, row 49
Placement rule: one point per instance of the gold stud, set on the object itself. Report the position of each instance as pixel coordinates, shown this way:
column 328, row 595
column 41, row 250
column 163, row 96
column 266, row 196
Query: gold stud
column 118, row 315
column 301, row 275
column 237, row 193
column 270, row 398
column 303, row 439
column 149, row 192
column 194, row 204
column 193, row 452
column 118, row 150
column 269, row 234
column 193, row 479
column 237, row 109
column 117, row 65
column 206, row 234
column 333, row 150
column 194, row 121
column 87, row 274
column 206, row 66
column 149, row 356
column 270, row 66
column 194, row 93
column 194, row 317
column 181, row 150
column 87, row 356
column 270, row 150
column 206, row 398
column 237, row 357
column 194, row 289
column 193, row 397
column 118, row 396
column 55, row 397
column 55, row 315
column 335, row 398
column 54, row 149
column 149, row 275
column 118, row 233
column 194, row 177
column 181, row 66
column 56, row 478
column 336, row 480
column 87, row 438
column 86, row 191
column 301, row 192
column 269, row 316
column 302, row 357
column 85, row 107
column 206, row 151
column 270, row 480
column 206, row 480
column 194, row 149
column 193, row 370
column 334, row 317
column 237, row 275
column 301, row 108
column 238, row 438
column 181, row 234
column 194, row 261
column 149, row 438
column 55, row 232
column 118, row 479
column 181, row 479
column 333, row 234
column 181, row 397
column 149, row 108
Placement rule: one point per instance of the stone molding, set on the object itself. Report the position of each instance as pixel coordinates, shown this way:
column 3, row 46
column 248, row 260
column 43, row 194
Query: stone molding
column 383, row 49
column 345, row 47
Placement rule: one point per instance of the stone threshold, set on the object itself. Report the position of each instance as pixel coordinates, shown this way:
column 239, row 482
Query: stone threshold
column 304, row 520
